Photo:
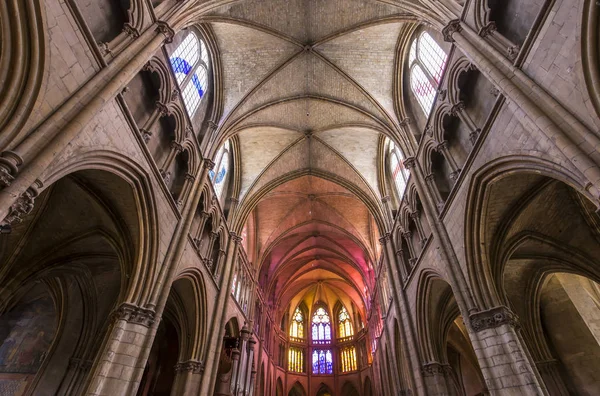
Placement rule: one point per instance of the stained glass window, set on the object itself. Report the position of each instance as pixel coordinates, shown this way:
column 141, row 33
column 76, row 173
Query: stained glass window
column 427, row 61
column 234, row 284
column 220, row 177
column 296, row 360
column 297, row 324
column 348, row 359
column 322, row 361
column 190, row 63
column 345, row 324
column 321, row 326
column 422, row 88
column 399, row 172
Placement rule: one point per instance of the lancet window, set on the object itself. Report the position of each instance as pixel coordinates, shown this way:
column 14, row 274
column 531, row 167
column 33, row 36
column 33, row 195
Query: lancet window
column 345, row 324
column 348, row 359
column 427, row 61
column 296, row 360
column 322, row 361
column 220, row 174
column 297, row 324
column 398, row 171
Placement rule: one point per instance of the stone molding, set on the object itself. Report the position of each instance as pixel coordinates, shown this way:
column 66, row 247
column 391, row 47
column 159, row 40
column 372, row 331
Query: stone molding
column 23, row 205
column 133, row 314
column 493, row 318
column 433, row 369
column 164, row 28
column 191, row 366
column 452, row 27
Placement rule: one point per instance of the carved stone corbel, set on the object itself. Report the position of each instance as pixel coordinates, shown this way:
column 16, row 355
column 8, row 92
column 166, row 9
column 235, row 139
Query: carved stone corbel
column 23, row 205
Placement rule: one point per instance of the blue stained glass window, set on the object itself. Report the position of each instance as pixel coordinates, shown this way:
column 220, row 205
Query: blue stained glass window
column 322, row 361
column 321, row 326
column 185, row 60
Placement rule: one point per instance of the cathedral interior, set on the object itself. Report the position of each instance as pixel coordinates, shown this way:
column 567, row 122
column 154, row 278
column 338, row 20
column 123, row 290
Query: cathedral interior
column 299, row 197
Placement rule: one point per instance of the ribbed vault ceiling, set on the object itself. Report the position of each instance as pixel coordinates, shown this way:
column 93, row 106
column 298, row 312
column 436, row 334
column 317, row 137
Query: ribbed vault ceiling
column 309, row 90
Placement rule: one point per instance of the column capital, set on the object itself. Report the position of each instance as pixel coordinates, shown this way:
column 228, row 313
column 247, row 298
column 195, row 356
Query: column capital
column 443, row 145
column 131, row 313
column 415, row 215
column 191, row 366
column 405, row 122
column 410, row 162
column 493, row 318
column 209, row 164
column 457, row 108
column 487, row 29
column 164, row 28
column 385, row 238
column 175, row 145
column 385, row 199
column 236, row 238
column 430, row 177
column 452, row 27
column 432, row 369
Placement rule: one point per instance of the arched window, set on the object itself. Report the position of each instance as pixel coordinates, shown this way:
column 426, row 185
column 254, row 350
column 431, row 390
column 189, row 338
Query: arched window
column 321, row 327
column 426, row 61
column 190, row 65
column 322, row 361
column 222, row 165
column 297, row 324
column 398, row 171
column 348, row 359
column 296, row 360
column 345, row 324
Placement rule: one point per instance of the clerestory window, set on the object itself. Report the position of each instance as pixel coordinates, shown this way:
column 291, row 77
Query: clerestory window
column 190, row 63
column 427, row 61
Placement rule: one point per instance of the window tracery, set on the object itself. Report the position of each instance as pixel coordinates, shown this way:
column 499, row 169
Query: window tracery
column 321, row 327
column 345, row 324
column 427, row 61
column 190, row 63
column 297, row 325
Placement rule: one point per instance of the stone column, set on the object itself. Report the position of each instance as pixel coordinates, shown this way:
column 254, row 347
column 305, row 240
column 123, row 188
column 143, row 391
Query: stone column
column 188, row 375
column 415, row 216
column 123, row 359
column 404, row 267
column 430, row 182
column 176, row 148
column 437, row 378
column 442, row 147
column 407, row 332
column 501, row 353
column 458, row 110
column 160, row 110
column 215, row 340
column 204, row 215
column 532, row 105
column 185, row 190
column 411, row 249
column 507, row 47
